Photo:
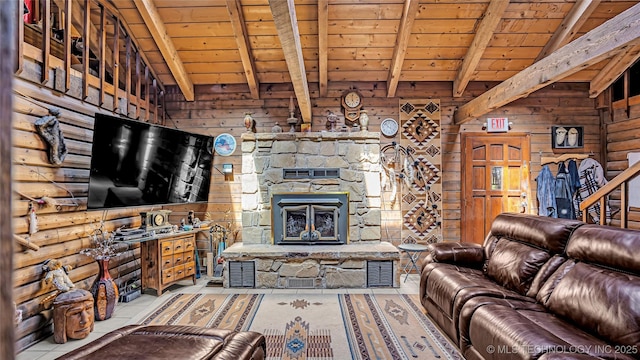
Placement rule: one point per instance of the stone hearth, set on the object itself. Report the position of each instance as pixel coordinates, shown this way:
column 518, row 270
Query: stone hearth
column 352, row 160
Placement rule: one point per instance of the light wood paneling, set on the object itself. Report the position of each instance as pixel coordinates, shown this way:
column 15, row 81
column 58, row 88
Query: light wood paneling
column 219, row 109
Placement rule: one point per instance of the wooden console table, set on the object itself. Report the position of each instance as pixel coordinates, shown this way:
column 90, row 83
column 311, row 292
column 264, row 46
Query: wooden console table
column 167, row 259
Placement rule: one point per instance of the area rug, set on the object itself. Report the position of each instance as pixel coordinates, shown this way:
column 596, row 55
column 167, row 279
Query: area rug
column 316, row 326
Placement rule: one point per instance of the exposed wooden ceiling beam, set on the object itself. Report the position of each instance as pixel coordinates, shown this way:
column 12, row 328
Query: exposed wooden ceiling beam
column 570, row 25
column 284, row 16
column 399, row 51
column 323, row 34
column 239, row 29
column 156, row 27
column 598, row 44
column 616, row 67
column 485, row 31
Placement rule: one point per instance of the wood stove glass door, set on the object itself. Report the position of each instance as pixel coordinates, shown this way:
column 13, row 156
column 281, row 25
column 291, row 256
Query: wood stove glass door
column 294, row 221
column 325, row 221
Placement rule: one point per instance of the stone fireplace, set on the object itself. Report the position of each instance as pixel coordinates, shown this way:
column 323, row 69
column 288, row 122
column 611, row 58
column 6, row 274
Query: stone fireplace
column 311, row 207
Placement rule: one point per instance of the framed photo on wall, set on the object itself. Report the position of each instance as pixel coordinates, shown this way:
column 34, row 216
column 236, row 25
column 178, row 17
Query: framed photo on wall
column 567, row 137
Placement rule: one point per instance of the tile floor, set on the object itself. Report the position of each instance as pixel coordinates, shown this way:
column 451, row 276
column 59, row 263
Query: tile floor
column 131, row 312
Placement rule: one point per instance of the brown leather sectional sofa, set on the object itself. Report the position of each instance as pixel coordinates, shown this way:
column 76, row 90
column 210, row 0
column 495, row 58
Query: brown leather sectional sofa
column 539, row 288
column 173, row 342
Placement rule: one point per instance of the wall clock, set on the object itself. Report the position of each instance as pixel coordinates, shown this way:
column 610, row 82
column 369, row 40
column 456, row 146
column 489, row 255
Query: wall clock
column 224, row 144
column 389, row 127
column 352, row 102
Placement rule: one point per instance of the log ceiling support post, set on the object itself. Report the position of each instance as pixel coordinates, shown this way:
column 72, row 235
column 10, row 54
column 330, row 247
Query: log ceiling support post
column 487, row 27
column 409, row 11
column 239, row 29
column 598, row 44
column 284, row 15
column 323, row 35
column 577, row 16
column 158, row 31
column 614, row 68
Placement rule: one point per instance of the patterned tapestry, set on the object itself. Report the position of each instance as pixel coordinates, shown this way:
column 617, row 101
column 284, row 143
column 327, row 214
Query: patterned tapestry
column 421, row 204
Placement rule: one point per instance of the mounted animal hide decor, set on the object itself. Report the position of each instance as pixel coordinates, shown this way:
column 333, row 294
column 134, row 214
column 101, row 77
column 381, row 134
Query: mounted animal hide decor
column 49, row 128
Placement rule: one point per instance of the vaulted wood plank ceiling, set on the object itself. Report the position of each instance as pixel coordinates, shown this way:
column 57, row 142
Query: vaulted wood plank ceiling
column 389, row 41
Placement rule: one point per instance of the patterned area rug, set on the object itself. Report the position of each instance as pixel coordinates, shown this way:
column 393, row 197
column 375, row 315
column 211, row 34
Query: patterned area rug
column 310, row 326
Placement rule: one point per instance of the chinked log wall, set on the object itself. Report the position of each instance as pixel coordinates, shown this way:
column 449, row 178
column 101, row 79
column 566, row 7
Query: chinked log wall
column 62, row 232
column 220, row 109
column 623, row 131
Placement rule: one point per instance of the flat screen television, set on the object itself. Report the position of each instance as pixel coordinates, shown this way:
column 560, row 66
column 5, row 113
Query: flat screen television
column 134, row 163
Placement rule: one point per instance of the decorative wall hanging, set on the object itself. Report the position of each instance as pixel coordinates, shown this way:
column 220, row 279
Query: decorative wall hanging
column 49, row 128
column 421, row 203
column 224, row 144
column 567, row 137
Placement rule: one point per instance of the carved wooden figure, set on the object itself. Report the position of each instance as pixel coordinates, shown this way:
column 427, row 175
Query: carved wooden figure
column 72, row 315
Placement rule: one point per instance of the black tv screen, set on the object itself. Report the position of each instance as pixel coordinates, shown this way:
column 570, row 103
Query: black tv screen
column 134, row 163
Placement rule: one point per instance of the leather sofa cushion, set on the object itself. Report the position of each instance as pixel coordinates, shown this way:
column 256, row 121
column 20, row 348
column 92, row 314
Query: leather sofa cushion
column 528, row 334
column 606, row 246
column 172, row 342
column 461, row 254
column 605, row 302
column 514, row 265
column 449, row 290
column 542, row 232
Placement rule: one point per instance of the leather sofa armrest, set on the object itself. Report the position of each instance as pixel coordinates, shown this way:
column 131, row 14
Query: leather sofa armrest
column 463, row 254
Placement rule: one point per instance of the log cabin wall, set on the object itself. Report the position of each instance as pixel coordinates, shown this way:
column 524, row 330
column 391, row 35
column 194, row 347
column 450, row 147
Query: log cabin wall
column 221, row 109
column 622, row 126
column 62, row 231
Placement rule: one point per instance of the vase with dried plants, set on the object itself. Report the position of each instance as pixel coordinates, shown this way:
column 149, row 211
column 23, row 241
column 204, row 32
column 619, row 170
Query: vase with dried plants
column 104, row 288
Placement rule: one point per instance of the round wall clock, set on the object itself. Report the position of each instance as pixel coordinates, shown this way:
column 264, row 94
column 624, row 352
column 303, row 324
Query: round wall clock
column 389, row 127
column 351, row 102
column 352, row 99
column 224, row 144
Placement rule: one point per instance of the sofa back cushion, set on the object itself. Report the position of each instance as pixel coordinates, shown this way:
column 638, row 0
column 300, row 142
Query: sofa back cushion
column 542, row 232
column 514, row 265
column 606, row 246
column 598, row 288
column 518, row 245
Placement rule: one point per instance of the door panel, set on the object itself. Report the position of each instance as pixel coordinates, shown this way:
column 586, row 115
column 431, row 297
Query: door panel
column 495, row 175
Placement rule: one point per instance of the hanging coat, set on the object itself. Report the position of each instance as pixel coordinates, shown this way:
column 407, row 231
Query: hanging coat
column 564, row 196
column 591, row 179
column 546, row 194
column 574, row 177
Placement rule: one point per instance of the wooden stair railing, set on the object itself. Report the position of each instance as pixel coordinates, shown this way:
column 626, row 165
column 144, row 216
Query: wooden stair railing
column 601, row 195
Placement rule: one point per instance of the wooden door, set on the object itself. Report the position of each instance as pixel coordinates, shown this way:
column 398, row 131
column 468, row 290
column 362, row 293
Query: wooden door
column 495, row 179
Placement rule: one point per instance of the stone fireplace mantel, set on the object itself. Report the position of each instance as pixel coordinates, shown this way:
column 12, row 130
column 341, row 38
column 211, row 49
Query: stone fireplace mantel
column 349, row 163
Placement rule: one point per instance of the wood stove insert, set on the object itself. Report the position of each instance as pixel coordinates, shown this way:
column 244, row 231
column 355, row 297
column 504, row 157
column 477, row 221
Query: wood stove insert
column 310, row 218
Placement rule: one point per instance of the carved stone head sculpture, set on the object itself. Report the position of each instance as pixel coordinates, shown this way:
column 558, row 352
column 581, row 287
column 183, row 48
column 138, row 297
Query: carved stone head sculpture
column 72, row 315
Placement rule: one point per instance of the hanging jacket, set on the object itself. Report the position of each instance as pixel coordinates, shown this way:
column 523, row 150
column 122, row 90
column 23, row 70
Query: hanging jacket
column 564, row 196
column 591, row 179
column 574, row 177
column 546, row 194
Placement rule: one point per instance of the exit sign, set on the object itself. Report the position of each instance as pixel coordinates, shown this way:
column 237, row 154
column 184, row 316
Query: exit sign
column 497, row 124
